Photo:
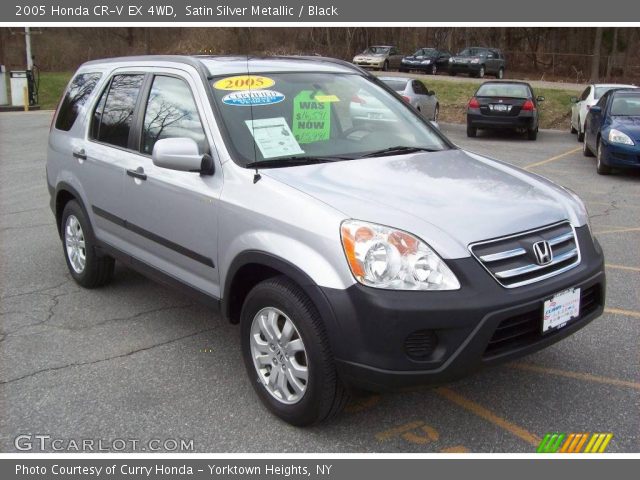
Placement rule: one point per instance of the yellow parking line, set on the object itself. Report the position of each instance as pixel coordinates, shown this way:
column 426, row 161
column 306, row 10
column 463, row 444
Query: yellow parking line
column 488, row 415
column 620, row 311
column 455, row 449
column 618, row 230
column 552, row 159
column 576, row 375
column 622, row 267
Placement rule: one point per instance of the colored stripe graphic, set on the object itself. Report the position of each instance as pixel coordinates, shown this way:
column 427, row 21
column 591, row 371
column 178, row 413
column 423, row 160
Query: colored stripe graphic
column 573, row 443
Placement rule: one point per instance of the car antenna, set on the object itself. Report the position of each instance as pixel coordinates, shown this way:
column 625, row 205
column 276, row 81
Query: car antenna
column 256, row 175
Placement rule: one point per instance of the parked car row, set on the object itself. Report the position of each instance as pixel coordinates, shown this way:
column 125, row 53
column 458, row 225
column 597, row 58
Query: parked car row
column 473, row 61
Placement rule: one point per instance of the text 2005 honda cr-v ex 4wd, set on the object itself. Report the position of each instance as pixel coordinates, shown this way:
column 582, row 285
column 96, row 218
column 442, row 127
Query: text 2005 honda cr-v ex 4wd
column 355, row 251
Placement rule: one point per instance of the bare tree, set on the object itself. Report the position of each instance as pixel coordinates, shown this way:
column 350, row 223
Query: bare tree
column 595, row 60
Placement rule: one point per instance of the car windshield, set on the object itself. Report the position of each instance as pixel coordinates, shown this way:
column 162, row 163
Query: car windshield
column 397, row 85
column 512, row 90
column 328, row 116
column 376, row 50
column 627, row 105
column 424, row 52
column 471, row 52
column 600, row 91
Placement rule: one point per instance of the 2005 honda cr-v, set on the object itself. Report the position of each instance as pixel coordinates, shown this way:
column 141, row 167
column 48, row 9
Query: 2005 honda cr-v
column 368, row 253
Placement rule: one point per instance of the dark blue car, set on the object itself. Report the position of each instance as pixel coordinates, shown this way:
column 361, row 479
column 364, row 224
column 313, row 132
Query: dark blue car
column 612, row 131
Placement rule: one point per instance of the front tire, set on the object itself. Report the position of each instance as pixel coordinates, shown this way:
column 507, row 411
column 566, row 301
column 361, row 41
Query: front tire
column 580, row 131
column 601, row 168
column 480, row 73
column 87, row 268
column 287, row 355
column 500, row 74
column 385, row 66
column 586, row 151
column 436, row 112
column 434, row 69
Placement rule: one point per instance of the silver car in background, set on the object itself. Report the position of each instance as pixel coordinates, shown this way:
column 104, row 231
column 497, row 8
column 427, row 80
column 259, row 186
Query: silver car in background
column 365, row 108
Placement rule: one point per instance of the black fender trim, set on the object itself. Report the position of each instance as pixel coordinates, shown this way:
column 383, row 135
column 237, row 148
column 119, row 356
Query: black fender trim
column 65, row 187
column 315, row 292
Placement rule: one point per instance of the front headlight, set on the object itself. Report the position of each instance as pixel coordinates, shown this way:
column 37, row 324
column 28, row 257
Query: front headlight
column 582, row 211
column 426, row 62
column 384, row 257
column 616, row 136
column 452, row 60
column 475, row 60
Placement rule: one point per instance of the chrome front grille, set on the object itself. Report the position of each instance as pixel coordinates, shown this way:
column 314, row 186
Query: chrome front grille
column 512, row 261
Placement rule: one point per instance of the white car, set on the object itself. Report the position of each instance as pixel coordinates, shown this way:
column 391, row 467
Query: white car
column 589, row 97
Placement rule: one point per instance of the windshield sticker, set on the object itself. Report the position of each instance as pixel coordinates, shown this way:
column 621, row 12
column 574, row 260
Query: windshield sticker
column 273, row 137
column 311, row 118
column 244, row 82
column 253, row 98
column 326, row 98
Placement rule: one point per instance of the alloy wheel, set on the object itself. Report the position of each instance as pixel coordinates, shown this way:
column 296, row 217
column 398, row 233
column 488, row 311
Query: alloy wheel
column 279, row 355
column 75, row 244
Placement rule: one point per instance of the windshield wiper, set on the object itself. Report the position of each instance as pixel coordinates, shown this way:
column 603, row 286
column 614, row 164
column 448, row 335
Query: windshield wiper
column 293, row 161
column 398, row 150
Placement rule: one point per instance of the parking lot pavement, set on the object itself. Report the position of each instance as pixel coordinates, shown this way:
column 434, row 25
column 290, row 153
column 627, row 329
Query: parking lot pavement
column 135, row 360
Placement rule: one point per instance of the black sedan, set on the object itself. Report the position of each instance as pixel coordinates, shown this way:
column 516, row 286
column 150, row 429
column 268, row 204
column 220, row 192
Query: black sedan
column 428, row 60
column 504, row 105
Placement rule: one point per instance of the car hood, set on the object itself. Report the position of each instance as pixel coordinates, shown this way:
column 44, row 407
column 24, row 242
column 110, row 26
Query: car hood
column 628, row 125
column 449, row 199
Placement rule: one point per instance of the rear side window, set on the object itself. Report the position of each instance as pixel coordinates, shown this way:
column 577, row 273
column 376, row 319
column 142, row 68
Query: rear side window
column 113, row 116
column 171, row 112
column 76, row 96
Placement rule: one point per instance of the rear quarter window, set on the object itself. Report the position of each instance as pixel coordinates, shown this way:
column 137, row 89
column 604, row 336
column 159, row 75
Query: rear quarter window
column 75, row 97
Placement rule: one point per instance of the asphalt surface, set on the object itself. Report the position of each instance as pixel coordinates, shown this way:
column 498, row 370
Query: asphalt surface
column 135, row 360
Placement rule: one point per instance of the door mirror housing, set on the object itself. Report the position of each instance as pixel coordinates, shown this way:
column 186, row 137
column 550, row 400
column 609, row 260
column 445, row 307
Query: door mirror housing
column 431, row 93
column 181, row 154
column 574, row 100
column 595, row 109
column 540, row 98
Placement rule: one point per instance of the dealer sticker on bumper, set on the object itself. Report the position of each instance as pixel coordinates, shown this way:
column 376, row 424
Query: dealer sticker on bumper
column 561, row 308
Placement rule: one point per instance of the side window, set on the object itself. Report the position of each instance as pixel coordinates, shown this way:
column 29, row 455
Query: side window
column 585, row 94
column 77, row 94
column 419, row 88
column 603, row 101
column 171, row 112
column 114, row 113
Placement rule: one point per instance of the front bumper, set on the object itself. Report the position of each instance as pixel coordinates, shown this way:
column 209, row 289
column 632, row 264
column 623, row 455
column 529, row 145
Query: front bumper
column 620, row 156
column 456, row 67
column 374, row 330
column 426, row 67
column 369, row 63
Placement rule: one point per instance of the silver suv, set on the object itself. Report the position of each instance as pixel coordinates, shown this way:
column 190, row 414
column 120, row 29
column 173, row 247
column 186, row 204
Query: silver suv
column 353, row 253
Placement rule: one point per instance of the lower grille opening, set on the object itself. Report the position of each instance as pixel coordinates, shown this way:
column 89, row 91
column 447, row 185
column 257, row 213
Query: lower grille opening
column 526, row 328
column 420, row 344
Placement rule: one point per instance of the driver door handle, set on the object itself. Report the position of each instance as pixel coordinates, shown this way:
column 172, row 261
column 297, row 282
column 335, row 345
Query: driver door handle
column 80, row 154
column 137, row 173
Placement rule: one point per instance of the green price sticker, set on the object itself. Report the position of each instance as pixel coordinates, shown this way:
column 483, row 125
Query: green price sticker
column 311, row 118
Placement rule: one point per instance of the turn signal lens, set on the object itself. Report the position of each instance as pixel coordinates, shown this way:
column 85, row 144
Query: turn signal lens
column 384, row 257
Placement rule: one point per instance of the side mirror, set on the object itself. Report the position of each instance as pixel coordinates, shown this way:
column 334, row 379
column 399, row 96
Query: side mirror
column 540, row 98
column 431, row 93
column 181, row 154
column 574, row 99
column 595, row 109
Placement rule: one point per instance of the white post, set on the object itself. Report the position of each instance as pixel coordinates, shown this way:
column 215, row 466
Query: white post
column 27, row 44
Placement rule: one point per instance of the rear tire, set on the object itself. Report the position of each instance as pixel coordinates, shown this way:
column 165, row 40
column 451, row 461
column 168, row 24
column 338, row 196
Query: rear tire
column 580, row 131
column 453, row 74
column 573, row 130
column 434, row 69
column 436, row 112
column 532, row 134
column 472, row 132
column 385, row 66
column 87, row 268
column 601, row 168
column 500, row 74
column 323, row 395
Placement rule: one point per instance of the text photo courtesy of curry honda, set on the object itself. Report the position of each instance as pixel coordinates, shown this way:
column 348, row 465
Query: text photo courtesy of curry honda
column 351, row 230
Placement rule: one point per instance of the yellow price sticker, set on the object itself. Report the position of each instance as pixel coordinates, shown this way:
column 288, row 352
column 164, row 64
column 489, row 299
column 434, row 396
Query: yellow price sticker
column 326, row 98
column 244, row 82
